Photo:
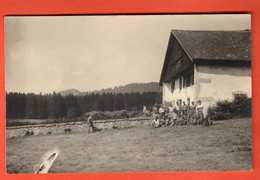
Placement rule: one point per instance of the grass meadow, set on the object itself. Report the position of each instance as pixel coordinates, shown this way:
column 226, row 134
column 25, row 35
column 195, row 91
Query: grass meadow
column 224, row 146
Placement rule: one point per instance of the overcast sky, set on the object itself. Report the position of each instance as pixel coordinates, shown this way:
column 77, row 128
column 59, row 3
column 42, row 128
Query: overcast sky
column 54, row 53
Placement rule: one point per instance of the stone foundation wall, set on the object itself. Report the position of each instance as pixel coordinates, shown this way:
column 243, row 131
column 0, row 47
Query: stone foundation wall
column 19, row 131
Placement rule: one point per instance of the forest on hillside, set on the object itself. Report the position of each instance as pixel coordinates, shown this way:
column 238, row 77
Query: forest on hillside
column 38, row 106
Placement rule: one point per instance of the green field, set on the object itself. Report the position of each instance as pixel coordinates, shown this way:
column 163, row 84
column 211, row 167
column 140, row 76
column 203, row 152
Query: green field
column 225, row 146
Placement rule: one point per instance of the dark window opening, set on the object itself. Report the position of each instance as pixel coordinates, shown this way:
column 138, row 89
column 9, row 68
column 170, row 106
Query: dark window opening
column 188, row 79
column 192, row 78
column 237, row 95
column 184, row 81
column 172, row 86
column 180, row 82
column 188, row 102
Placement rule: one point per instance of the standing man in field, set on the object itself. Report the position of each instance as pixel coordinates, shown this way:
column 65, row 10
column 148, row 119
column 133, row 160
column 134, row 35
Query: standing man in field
column 90, row 124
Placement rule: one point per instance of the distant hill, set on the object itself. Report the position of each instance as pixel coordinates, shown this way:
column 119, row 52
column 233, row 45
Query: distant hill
column 134, row 87
column 129, row 88
column 72, row 91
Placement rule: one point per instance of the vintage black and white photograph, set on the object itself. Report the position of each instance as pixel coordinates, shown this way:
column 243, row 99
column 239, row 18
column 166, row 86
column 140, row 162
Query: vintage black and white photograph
column 128, row 93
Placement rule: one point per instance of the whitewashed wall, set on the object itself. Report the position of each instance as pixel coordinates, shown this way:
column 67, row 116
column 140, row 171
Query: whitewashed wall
column 183, row 94
column 212, row 83
column 221, row 82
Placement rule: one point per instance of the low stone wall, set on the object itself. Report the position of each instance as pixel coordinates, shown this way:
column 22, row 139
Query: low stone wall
column 19, row 131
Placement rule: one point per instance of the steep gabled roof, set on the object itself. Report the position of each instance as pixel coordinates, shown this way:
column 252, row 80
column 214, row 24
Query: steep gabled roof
column 212, row 46
column 216, row 45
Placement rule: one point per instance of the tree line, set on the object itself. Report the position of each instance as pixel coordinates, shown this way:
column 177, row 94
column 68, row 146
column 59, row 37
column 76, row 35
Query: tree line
column 38, row 106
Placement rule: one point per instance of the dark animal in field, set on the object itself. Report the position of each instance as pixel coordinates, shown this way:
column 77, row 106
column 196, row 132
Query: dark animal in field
column 97, row 129
column 28, row 133
column 67, row 130
column 49, row 132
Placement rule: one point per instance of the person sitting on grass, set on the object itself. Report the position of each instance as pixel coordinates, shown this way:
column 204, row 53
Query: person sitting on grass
column 158, row 120
column 207, row 121
column 156, row 123
column 173, row 117
column 180, row 120
column 170, row 115
column 161, row 112
column 155, row 120
column 166, row 118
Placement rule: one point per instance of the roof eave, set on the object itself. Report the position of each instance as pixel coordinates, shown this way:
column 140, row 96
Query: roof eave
column 183, row 47
column 185, row 51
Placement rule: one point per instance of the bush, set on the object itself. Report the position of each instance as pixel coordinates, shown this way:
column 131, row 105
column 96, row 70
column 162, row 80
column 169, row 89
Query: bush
column 99, row 115
column 73, row 113
column 239, row 107
column 215, row 114
column 132, row 114
column 243, row 106
column 18, row 123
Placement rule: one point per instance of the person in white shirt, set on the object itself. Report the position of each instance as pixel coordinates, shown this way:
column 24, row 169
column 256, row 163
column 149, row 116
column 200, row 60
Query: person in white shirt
column 170, row 109
column 200, row 115
column 178, row 109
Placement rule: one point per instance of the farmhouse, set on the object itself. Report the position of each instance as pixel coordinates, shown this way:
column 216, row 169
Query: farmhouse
column 206, row 66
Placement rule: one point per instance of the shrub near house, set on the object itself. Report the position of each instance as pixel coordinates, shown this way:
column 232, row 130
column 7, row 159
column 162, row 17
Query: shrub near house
column 239, row 107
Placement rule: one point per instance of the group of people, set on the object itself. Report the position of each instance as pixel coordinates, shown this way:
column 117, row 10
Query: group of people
column 181, row 114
